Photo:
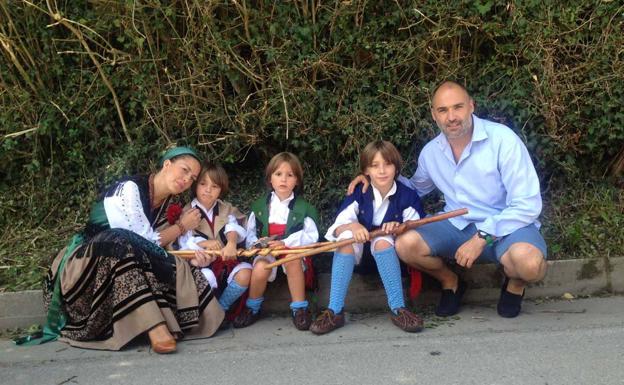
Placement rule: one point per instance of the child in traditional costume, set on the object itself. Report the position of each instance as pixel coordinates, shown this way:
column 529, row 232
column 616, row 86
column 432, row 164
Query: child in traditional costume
column 221, row 229
column 386, row 205
column 280, row 218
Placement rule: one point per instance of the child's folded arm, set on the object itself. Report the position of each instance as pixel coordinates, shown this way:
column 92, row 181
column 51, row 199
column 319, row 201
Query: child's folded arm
column 347, row 216
column 233, row 225
column 309, row 234
column 251, row 231
column 410, row 214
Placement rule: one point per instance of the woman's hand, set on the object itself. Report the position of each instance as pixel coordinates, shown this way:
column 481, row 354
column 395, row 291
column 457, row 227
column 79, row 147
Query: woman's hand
column 356, row 181
column 360, row 234
column 229, row 253
column 202, row 258
column 389, row 227
column 210, row 244
column 190, row 219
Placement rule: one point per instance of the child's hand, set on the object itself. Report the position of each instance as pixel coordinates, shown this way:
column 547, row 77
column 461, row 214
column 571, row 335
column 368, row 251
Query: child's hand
column 229, row 252
column 276, row 244
column 202, row 259
column 389, row 227
column 210, row 244
column 360, row 234
column 190, row 219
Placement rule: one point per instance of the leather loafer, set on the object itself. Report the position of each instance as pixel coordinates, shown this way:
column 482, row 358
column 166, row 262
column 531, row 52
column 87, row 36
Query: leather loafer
column 164, row 347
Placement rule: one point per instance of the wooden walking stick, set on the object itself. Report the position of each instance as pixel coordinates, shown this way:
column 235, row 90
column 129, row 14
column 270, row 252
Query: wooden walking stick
column 189, row 254
column 399, row 230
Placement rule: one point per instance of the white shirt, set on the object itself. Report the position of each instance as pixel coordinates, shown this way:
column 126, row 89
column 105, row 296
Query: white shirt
column 494, row 178
column 278, row 214
column 189, row 242
column 125, row 211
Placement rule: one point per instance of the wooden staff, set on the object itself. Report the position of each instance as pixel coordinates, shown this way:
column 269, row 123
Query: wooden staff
column 189, row 254
column 373, row 234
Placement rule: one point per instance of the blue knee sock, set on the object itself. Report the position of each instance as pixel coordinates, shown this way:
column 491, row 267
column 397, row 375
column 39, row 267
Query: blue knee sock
column 296, row 305
column 231, row 293
column 254, row 304
column 342, row 270
column 390, row 271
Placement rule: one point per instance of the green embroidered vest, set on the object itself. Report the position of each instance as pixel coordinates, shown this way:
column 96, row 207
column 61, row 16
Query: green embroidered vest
column 299, row 209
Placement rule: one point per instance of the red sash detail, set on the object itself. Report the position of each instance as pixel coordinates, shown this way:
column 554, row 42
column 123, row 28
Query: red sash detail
column 309, row 276
column 275, row 229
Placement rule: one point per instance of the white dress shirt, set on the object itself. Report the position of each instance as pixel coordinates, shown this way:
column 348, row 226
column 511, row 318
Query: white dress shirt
column 494, row 178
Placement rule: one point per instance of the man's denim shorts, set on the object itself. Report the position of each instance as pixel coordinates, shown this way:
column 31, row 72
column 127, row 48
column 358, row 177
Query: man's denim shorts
column 444, row 239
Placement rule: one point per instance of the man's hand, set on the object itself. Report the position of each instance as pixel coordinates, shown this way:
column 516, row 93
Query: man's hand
column 468, row 253
column 389, row 227
column 356, row 181
column 360, row 234
column 229, row 253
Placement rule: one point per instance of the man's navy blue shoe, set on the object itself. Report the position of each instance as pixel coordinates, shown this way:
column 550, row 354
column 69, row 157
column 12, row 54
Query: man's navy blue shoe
column 450, row 300
column 509, row 304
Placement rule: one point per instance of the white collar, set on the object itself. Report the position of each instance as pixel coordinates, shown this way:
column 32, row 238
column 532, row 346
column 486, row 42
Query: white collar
column 196, row 203
column 377, row 194
column 276, row 199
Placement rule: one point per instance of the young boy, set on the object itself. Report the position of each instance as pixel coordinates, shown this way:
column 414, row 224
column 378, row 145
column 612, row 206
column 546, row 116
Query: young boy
column 386, row 205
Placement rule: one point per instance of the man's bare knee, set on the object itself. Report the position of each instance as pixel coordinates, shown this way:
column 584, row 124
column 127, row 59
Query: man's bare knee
column 528, row 261
column 410, row 246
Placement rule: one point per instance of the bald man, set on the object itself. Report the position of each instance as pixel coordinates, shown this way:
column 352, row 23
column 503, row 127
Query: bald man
column 485, row 167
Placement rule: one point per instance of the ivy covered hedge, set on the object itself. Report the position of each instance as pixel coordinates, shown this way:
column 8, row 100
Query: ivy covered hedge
column 91, row 90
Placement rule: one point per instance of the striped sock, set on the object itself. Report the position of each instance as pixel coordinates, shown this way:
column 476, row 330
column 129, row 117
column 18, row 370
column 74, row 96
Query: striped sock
column 390, row 271
column 231, row 293
column 254, row 304
column 342, row 270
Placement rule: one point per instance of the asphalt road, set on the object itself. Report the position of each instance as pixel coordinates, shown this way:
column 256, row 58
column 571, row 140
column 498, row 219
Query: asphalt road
column 552, row 342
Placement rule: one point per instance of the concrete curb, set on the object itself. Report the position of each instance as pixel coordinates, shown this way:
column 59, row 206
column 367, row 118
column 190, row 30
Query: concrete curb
column 578, row 277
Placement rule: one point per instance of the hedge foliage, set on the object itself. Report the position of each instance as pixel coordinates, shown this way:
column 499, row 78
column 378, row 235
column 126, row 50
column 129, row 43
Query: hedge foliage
column 90, row 90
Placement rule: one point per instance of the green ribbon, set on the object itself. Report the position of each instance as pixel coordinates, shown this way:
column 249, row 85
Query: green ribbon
column 56, row 318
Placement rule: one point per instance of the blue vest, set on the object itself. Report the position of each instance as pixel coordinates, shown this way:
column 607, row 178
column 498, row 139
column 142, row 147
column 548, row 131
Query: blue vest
column 403, row 198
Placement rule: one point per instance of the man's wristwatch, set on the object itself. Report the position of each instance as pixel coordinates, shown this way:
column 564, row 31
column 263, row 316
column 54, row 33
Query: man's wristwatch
column 489, row 239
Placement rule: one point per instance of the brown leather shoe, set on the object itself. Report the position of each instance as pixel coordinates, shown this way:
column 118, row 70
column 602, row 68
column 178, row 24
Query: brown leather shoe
column 245, row 318
column 164, row 347
column 302, row 319
column 407, row 321
column 327, row 321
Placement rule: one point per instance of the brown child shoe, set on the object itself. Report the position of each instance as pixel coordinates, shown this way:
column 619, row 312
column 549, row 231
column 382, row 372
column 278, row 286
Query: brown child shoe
column 302, row 319
column 407, row 321
column 245, row 318
column 327, row 321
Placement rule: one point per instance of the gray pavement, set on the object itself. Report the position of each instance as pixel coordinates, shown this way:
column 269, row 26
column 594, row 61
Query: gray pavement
column 552, row 342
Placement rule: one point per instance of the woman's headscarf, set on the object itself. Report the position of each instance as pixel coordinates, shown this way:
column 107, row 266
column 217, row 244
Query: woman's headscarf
column 178, row 151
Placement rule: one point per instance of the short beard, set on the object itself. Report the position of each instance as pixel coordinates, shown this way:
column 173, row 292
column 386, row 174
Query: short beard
column 465, row 129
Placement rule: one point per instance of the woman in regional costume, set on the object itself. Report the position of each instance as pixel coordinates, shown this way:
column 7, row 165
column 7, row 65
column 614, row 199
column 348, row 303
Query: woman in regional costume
column 114, row 281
